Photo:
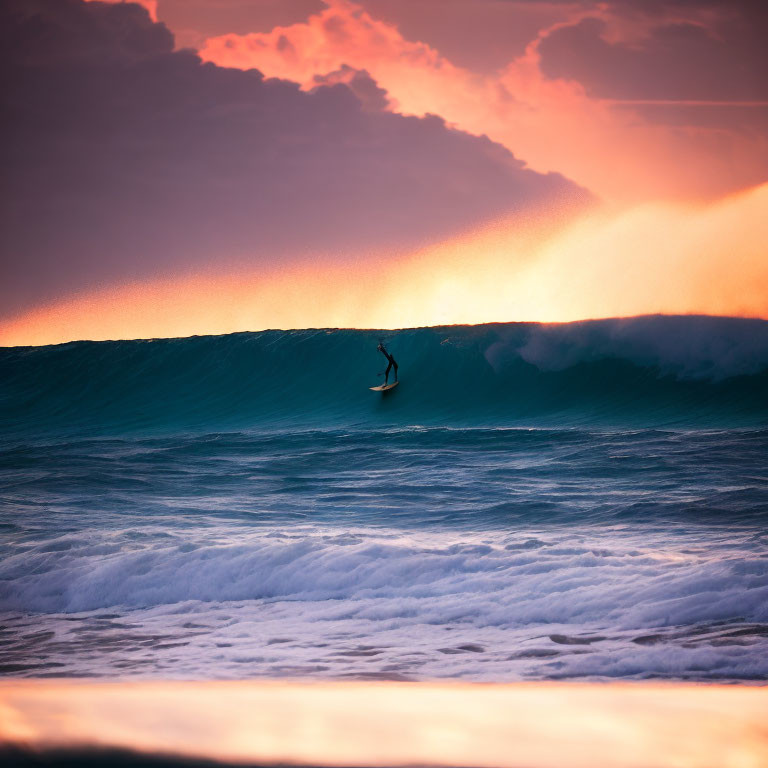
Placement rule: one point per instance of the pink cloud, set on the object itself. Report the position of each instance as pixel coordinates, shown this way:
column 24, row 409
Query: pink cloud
column 133, row 161
column 150, row 5
column 553, row 124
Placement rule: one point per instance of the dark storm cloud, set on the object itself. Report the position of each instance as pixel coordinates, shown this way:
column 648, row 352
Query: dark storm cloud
column 124, row 159
column 371, row 97
column 691, row 51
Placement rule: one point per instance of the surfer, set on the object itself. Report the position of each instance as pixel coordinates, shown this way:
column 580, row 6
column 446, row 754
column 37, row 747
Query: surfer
column 392, row 362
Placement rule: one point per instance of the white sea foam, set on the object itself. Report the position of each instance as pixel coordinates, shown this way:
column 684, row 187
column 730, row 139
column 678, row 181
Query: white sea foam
column 361, row 602
column 695, row 347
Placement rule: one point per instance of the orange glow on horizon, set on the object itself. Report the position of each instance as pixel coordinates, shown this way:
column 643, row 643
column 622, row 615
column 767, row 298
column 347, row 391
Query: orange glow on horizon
column 656, row 258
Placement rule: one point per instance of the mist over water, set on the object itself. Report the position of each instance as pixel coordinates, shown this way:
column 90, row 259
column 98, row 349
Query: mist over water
column 532, row 502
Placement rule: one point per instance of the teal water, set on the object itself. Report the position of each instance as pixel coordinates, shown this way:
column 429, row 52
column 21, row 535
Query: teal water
column 586, row 500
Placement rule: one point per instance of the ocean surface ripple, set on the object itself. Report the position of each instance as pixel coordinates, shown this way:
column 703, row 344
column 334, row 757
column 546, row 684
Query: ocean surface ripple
column 532, row 502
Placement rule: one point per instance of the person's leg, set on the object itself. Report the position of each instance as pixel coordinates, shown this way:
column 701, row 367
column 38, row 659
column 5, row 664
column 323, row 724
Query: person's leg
column 395, row 371
column 386, row 373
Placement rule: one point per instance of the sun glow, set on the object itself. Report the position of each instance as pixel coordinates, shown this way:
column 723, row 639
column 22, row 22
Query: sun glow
column 655, row 258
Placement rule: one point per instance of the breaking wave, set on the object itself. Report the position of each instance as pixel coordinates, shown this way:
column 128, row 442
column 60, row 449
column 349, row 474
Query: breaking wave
column 642, row 371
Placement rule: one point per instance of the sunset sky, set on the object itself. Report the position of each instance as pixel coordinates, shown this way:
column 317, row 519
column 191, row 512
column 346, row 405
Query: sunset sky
column 208, row 166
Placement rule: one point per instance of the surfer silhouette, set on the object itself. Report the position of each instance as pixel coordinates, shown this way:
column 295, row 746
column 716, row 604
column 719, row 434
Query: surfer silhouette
column 391, row 360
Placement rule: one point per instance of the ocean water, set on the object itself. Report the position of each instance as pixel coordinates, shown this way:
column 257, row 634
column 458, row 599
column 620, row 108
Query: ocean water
column 578, row 501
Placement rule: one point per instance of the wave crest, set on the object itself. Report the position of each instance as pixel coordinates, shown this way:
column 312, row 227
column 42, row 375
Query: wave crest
column 631, row 372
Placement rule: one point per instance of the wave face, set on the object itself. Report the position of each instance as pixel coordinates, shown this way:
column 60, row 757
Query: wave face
column 656, row 370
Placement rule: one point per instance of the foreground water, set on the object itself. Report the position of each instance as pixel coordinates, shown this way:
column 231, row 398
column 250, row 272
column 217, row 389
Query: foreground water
column 608, row 522
column 201, row 724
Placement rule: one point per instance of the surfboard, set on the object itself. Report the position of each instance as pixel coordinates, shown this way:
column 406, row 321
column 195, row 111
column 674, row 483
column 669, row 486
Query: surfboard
column 383, row 387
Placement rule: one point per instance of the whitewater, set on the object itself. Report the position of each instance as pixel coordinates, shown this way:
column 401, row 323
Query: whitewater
column 577, row 501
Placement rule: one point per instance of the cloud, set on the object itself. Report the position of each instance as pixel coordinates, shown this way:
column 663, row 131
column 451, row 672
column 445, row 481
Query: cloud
column 371, row 97
column 619, row 152
column 194, row 20
column 150, row 5
column 127, row 160
column 655, row 258
column 481, row 36
column 674, row 51
column 146, row 193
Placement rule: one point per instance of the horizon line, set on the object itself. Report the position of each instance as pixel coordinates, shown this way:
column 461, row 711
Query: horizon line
column 678, row 315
